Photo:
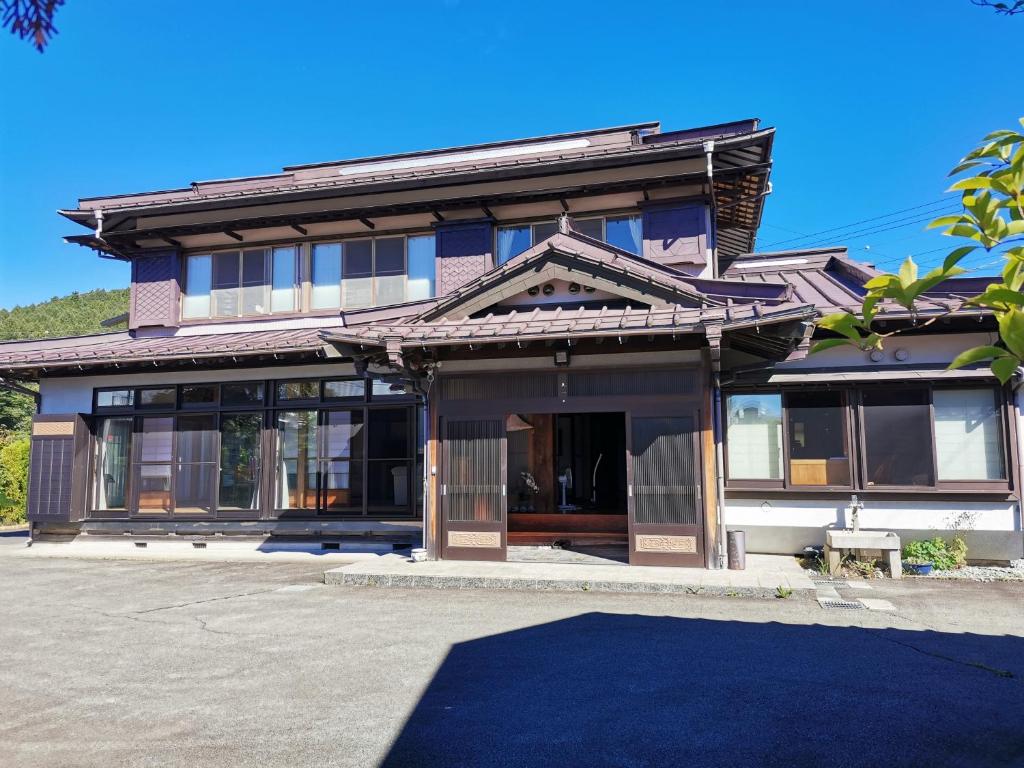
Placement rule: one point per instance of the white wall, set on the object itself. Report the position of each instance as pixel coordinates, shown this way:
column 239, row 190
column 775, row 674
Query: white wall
column 788, row 525
column 74, row 394
column 938, row 349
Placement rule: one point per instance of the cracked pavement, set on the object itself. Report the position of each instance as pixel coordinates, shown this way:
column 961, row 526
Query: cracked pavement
column 129, row 663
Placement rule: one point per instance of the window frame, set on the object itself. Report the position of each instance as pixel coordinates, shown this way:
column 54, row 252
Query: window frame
column 270, row 249
column 267, row 410
column 532, row 222
column 856, row 439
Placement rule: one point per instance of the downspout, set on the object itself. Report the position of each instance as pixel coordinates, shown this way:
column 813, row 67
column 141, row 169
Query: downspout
column 716, row 421
column 99, row 224
column 713, row 333
column 1017, row 387
column 709, row 150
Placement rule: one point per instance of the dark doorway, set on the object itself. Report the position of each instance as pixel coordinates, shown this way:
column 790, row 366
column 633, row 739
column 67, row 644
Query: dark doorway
column 567, row 481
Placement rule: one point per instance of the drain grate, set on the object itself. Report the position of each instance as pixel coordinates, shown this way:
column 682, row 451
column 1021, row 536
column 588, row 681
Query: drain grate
column 830, row 582
column 846, row 605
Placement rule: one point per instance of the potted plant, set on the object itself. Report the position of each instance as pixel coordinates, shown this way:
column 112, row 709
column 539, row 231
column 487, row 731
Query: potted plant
column 918, row 565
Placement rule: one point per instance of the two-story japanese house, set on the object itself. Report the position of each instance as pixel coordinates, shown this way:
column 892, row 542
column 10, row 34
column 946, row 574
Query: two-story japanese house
column 563, row 340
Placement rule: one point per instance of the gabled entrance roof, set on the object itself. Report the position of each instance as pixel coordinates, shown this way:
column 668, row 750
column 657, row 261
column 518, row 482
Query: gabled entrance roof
column 575, row 258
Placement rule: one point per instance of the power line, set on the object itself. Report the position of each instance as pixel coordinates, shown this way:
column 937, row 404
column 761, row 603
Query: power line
column 878, row 229
column 945, row 200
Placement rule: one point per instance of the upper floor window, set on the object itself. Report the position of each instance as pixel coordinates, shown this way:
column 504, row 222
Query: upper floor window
column 372, row 272
column 623, row 232
column 258, row 281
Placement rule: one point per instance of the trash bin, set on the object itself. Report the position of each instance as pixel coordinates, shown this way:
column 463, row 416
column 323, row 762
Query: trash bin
column 400, row 478
column 736, row 543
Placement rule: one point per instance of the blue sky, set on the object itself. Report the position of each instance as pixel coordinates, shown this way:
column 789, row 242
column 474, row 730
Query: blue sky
column 873, row 102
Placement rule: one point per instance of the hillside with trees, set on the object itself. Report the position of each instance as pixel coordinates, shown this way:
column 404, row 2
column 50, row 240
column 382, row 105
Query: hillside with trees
column 74, row 315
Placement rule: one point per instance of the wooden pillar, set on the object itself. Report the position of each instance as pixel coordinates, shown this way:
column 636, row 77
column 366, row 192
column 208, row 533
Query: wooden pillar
column 708, row 453
column 431, row 459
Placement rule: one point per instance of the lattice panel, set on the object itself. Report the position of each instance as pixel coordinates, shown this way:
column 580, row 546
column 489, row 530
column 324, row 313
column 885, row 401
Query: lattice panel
column 155, row 290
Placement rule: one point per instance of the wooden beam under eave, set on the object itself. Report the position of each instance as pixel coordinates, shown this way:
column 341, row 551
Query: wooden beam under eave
column 367, row 223
column 301, row 230
column 233, row 235
column 171, row 241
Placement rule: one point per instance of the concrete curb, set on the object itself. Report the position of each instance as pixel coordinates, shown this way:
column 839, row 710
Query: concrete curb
column 339, row 577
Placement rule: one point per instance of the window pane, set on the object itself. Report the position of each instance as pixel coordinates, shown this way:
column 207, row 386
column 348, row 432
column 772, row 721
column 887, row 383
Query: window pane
column 590, row 228
column 196, row 464
column 388, row 434
column 343, row 486
column 390, row 289
column 383, row 389
column 357, row 274
column 154, row 482
column 198, row 395
column 225, row 283
column 754, row 435
column 512, row 241
column 389, row 257
column 156, row 439
column 240, row 461
column 243, row 393
column 193, row 488
column 255, row 282
column 816, row 423
column 326, row 276
column 298, row 390
column 544, row 230
column 388, row 483
column 282, row 297
column 343, row 435
column 898, row 437
column 344, row 389
column 113, row 441
column 198, row 281
column 115, row 398
column 422, row 270
column 343, row 468
column 197, row 439
column 157, row 398
column 968, row 434
column 297, row 460
column 625, row 232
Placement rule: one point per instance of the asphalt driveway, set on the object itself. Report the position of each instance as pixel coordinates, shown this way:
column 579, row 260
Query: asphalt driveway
column 117, row 663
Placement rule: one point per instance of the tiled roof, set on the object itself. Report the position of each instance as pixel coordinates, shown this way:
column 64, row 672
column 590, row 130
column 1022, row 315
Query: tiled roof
column 116, row 348
column 826, row 278
column 548, row 323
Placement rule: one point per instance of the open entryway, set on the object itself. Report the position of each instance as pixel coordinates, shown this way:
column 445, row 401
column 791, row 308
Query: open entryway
column 592, row 487
column 567, row 487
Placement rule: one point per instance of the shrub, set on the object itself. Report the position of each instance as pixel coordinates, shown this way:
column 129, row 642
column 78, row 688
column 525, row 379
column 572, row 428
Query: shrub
column 943, row 556
column 13, row 480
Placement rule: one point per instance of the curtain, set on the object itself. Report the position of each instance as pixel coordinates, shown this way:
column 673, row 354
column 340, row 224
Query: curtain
column 968, row 434
column 506, row 238
column 636, row 231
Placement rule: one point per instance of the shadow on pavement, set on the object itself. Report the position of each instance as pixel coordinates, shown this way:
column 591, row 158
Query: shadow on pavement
column 624, row 690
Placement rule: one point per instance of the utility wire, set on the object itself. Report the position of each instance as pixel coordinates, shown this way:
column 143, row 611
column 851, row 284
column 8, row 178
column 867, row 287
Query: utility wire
column 945, row 200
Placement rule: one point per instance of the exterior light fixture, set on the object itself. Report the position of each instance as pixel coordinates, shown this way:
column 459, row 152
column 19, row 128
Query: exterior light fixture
column 562, row 357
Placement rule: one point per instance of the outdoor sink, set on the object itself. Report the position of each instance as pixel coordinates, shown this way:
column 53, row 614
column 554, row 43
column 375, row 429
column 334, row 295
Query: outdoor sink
column 862, row 540
column 886, row 541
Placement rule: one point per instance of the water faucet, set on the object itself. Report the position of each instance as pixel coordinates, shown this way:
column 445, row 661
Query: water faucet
column 855, row 508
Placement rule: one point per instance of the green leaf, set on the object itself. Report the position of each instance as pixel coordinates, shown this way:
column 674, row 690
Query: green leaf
column 1004, row 368
column 945, row 221
column 975, row 182
column 843, row 323
column 956, row 255
column 1011, row 330
column 976, row 355
column 824, row 344
column 996, row 295
column 908, row 272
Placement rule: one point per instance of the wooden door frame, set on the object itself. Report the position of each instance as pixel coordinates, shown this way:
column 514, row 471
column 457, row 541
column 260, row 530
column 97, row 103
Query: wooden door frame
column 696, row 559
column 481, row 548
